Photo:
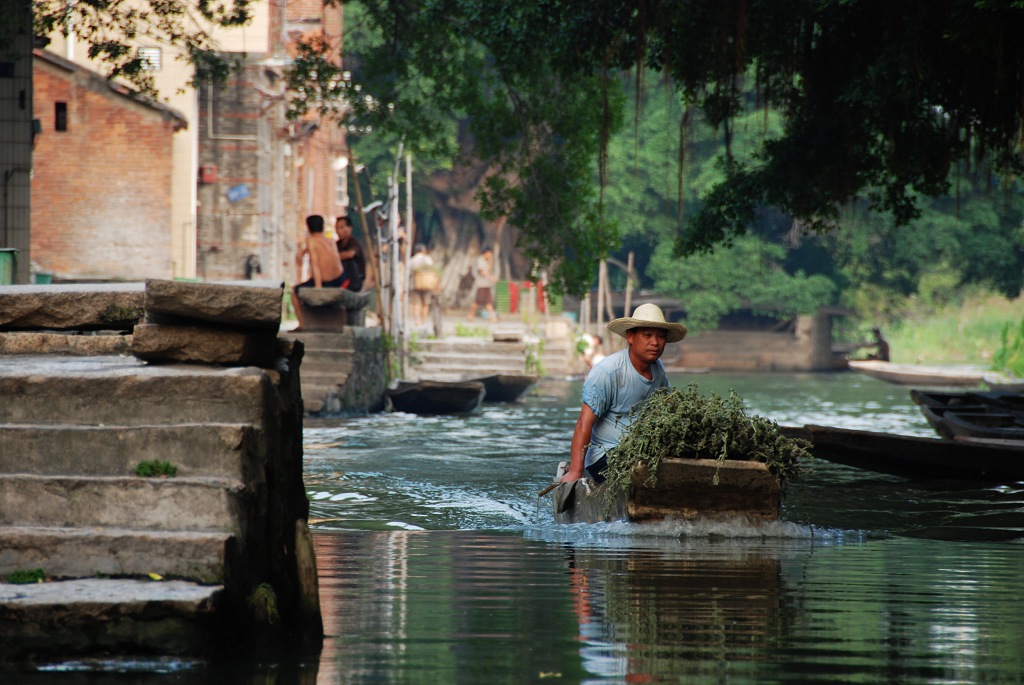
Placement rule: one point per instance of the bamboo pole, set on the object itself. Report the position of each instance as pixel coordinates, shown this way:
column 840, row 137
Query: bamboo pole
column 628, row 307
column 374, row 254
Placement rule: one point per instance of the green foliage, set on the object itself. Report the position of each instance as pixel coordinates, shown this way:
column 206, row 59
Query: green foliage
column 535, row 358
column 110, row 30
column 677, row 423
column 154, row 468
column 263, row 605
column 749, row 274
column 1009, row 356
column 27, row 576
column 464, row 331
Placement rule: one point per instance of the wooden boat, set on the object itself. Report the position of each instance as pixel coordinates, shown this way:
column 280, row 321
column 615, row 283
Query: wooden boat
column 504, row 387
column 685, row 490
column 436, row 397
column 913, row 374
column 935, row 406
column 985, row 425
column 916, row 457
column 1002, row 382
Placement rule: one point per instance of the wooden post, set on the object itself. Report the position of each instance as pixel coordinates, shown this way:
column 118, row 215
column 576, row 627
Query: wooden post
column 374, row 255
column 628, row 307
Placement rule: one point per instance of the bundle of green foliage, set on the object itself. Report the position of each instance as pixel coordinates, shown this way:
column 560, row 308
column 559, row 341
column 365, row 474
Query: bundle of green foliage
column 687, row 424
column 1009, row 357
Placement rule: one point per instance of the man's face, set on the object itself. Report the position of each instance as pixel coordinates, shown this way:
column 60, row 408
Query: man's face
column 343, row 228
column 646, row 344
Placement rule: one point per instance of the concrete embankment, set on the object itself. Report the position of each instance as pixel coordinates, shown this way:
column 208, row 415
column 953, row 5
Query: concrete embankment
column 217, row 555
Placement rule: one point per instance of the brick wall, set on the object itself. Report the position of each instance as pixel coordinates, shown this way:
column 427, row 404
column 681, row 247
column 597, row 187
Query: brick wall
column 101, row 189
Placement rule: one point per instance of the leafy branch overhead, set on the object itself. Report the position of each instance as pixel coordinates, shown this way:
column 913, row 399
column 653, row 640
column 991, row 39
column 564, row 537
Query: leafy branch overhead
column 112, row 29
column 880, row 100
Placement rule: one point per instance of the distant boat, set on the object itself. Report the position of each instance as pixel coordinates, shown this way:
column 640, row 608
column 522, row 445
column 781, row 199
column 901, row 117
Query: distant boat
column 914, row 374
column 685, row 489
column 504, row 387
column 436, row 397
column 916, row 457
column 1003, row 382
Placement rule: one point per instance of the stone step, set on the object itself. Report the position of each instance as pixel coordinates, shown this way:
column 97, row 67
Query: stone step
column 327, row 380
column 330, row 342
column 219, row 450
column 91, row 552
column 338, row 366
column 111, row 390
column 197, row 504
column 469, row 346
column 136, row 616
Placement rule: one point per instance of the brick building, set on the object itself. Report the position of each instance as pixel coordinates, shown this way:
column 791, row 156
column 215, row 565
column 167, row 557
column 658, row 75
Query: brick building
column 101, row 185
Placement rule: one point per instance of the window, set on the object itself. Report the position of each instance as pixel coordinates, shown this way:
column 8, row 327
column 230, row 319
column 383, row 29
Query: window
column 150, row 58
column 60, row 116
column 341, row 188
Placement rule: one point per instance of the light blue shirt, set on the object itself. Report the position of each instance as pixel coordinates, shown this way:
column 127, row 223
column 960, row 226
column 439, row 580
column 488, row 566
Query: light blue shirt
column 611, row 389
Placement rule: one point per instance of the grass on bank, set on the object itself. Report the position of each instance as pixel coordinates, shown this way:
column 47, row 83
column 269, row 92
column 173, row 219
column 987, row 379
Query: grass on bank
column 964, row 333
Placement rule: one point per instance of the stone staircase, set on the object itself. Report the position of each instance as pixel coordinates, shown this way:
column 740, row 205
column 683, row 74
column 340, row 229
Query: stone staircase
column 149, row 565
column 456, row 359
column 342, row 371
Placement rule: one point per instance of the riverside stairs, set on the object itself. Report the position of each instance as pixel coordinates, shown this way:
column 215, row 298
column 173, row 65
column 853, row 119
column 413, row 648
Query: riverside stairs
column 218, row 556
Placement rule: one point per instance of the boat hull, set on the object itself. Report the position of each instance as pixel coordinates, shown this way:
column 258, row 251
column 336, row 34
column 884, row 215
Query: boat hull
column 916, row 457
column 912, row 374
column 506, row 387
column 437, row 397
column 686, row 489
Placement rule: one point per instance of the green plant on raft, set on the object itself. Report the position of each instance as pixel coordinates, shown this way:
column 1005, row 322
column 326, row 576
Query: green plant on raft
column 154, row 468
column 686, row 424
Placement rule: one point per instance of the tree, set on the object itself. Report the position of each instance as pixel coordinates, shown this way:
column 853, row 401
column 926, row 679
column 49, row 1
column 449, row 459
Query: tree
column 112, row 29
column 880, row 100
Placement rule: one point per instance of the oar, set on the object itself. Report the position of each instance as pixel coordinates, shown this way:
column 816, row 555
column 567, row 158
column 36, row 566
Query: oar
column 548, row 489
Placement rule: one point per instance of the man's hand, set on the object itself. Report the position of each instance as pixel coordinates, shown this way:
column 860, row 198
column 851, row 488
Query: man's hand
column 571, row 476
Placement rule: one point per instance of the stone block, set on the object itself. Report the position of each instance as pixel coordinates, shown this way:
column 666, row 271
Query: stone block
column 231, row 305
column 89, row 307
column 192, row 344
column 71, row 344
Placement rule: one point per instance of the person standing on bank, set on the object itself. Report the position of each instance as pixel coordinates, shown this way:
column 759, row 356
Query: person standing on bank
column 620, row 382
column 323, row 263
column 484, row 280
column 352, row 255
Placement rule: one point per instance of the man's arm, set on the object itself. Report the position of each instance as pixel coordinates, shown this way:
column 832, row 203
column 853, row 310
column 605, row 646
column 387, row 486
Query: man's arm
column 580, row 440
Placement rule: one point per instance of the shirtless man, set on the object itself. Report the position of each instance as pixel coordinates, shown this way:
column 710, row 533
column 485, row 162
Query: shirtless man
column 323, row 262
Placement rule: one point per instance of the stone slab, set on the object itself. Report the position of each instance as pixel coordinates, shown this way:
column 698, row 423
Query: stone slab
column 197, row 504
column 121, row 390
column 66, row 344
column 90, row 552
column 246, row 305
column 337, row 298
column 107, row 306
column 195, row 345
column 196, row 449
column 109, row 616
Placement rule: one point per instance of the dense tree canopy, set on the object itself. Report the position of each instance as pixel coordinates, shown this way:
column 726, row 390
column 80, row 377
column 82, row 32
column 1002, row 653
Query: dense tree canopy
column 880, row 101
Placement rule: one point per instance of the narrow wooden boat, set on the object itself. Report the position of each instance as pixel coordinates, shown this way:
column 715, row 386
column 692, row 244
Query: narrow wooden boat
column 1002, row 382
column 436, row 397
column 505, row 387
column 936, row 405
column 913, row 374
column 990, row 425
column 685, row 489
column 916, row 457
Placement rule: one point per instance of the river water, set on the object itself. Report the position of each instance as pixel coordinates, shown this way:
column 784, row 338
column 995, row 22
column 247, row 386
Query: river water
column 438, row 563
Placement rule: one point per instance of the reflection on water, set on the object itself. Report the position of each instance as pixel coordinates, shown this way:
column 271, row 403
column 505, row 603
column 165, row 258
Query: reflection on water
column 438, row 563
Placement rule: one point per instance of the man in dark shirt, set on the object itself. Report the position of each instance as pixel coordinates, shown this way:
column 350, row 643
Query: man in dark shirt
column 352, row 255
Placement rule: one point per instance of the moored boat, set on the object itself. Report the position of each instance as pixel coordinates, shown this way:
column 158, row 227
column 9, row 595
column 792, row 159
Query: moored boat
column 685, row 489
column 914, row 374
column 989, row 425
column 916, row 457
column 437, row 397
column 505, row 387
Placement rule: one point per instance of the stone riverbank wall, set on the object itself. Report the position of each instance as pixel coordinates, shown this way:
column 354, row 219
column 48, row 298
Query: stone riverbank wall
column 217, row 556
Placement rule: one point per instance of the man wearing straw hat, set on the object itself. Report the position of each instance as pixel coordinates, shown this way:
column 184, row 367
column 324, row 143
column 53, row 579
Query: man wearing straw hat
column 617, row 384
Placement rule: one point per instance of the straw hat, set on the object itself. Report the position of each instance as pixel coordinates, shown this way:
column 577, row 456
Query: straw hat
column 648, row 316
